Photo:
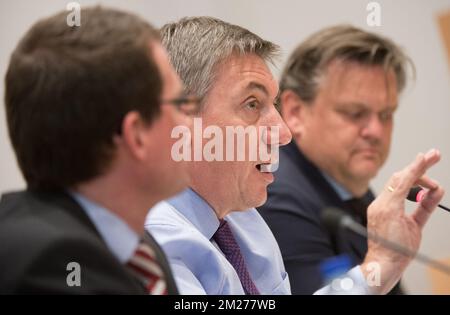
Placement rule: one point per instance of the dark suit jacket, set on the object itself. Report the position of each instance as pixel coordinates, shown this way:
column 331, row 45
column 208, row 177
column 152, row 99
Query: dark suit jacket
column 40, row 233
column 292, row 211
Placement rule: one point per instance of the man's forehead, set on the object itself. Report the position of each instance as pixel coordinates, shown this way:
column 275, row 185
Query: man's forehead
column 244, row 64
column 248, row 73
column 340, row 71
column 350, row 81
column 254, row 85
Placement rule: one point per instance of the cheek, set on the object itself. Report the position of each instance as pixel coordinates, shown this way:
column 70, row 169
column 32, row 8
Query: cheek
column 243, row 174
column 385, row 148
column 342, row 142
column 387, row 137
column 223, row 174
column 328, row 128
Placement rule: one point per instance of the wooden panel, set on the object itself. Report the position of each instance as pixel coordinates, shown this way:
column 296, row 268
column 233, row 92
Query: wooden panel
column 440, row 281
column 444, row 26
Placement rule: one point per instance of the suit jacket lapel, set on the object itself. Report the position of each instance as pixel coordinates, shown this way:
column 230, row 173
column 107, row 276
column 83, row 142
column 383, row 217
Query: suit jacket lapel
column 171, row 285
column 65, row 201
column 357, row 244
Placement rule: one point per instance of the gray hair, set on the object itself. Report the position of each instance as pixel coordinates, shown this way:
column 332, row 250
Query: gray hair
column 310, row 59
column 197, row 45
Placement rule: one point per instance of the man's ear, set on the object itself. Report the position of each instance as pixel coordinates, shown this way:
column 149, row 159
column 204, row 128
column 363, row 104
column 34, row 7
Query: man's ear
column 292, row 111
column 135, row 132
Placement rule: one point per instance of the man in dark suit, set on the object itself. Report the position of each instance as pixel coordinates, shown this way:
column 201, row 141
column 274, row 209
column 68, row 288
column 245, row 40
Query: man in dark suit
column 338, row 95
column 90, row 111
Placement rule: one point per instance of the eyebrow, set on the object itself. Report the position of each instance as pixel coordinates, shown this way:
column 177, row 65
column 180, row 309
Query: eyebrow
column 255, row 85
column 363, row 105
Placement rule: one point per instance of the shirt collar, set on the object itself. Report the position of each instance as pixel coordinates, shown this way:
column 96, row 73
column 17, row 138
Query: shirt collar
column 118, row 236
column 342, row 192
column 197, row 211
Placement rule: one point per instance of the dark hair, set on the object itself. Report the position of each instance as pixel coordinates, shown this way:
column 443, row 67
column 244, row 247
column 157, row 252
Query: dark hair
column 69, row 88
column 309, row 61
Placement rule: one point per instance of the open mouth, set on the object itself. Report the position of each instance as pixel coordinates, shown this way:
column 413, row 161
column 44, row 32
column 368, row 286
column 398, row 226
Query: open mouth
column 267, row 167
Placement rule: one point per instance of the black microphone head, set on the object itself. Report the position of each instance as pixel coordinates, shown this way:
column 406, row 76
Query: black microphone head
column 413, row 192
column 332, row 218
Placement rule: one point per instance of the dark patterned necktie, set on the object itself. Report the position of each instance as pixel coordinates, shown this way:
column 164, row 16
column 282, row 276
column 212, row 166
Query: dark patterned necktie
column 147, row 269
column 227, row 243
column 358, row 206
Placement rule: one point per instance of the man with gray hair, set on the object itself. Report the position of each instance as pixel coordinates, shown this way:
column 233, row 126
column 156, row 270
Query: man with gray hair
column 216, row 241
column 225, row 66
column 339, row 92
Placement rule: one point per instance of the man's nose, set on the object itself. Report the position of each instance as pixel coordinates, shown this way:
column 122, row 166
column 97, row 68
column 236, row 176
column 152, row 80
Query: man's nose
column 279, row 133
column 373, row 128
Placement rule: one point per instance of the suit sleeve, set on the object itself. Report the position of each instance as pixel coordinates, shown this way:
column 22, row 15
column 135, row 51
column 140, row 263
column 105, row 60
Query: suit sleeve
column 73, row 266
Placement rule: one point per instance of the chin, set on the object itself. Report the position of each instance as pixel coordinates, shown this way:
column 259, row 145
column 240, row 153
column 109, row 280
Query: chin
column 258, row 200
column 367, row 170
column 365, row 175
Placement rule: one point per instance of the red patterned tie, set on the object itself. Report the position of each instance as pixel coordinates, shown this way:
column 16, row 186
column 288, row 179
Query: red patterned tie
column 146, row 268
column 227, row 243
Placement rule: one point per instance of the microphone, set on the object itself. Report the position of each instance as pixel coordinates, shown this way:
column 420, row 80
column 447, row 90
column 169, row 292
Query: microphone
column 416, row 195
column 335, row 219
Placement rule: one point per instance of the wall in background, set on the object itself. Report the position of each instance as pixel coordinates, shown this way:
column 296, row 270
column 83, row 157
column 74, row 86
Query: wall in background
column 421, row 121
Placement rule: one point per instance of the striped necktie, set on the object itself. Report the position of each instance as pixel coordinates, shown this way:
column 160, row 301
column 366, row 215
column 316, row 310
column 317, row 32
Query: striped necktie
column 144, row 265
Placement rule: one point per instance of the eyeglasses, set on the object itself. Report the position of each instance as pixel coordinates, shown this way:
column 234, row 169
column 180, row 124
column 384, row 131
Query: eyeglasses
column 189, row 105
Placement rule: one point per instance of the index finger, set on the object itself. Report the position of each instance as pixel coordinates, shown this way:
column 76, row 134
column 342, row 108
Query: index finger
column 414, row 171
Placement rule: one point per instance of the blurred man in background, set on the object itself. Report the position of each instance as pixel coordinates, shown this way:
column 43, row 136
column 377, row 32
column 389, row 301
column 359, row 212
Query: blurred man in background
column 339, row 92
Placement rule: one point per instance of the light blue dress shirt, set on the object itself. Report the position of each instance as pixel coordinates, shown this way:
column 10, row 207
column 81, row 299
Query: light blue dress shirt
column 121, row 240
column 342, row 192
column 184, row 226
